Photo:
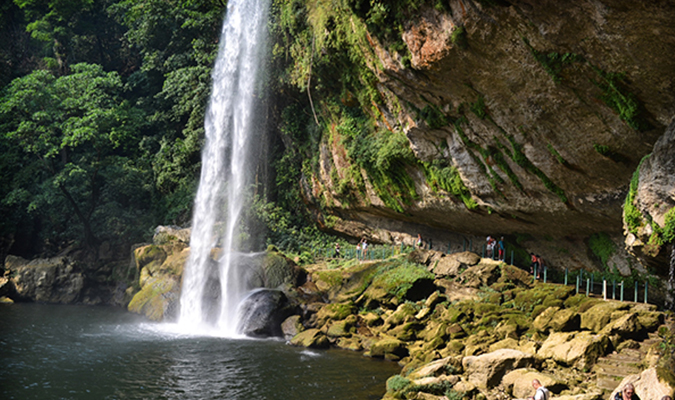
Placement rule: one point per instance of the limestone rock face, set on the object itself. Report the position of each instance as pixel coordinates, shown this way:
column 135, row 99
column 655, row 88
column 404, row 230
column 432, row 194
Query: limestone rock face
column 312, row 338
column 537, row 141
column 654, row 200
column 50, row 280
column 487, row 370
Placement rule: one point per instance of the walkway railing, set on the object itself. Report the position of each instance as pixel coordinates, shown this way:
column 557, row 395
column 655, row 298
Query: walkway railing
column 609, row 286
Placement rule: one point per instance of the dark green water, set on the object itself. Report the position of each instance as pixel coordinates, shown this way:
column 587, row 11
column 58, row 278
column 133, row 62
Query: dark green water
column 81, row 352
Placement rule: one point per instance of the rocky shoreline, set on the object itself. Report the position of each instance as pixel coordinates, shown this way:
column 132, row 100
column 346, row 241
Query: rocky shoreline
column 460, row 326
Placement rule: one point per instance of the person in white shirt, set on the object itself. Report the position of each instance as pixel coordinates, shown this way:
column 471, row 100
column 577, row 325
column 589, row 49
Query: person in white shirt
column 540, row 392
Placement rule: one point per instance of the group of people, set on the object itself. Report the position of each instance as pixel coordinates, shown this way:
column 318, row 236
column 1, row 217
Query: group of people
column 491, row 244
column 627, row 392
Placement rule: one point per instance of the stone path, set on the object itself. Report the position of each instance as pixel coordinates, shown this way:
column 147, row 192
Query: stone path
column 612, row 368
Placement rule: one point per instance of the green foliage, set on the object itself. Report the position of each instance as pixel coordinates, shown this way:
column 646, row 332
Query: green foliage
column 602, row 247
column 433, row 116
column 398, row 276
column 397, row 383
column 85, row 136
column 631, row 215
column 553, row 62
column 555, row 154
column 443, row 176
column 617, row 97
column 479, row 108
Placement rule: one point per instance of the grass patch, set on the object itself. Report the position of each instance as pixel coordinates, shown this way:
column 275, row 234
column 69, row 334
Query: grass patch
column 602, row 247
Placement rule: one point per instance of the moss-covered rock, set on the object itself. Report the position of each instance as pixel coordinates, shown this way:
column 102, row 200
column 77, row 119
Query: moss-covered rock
column 598, row 316
column 335, row 311
column 389, row 348
column 486, row 371
column 280, row 270
column 312, row 338
column 578, row 349
column 157, row 299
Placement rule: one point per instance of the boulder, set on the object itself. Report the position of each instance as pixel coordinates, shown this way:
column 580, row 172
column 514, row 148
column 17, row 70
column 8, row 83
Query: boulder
column 342, row 328
column 46, row 280
column 557, row 320
column 452, row 265
column 626, row 327
column 279, row 270
column 389, row 348
column 519, row 382
column 598, row 316
column 312, row 338
column 262, row 312
column 484, row 274
column 168, row 234
column 291, row 326
column 652, row 383
column 486, row 371
column 447, row 365
column 158, row 298
column 578, row 349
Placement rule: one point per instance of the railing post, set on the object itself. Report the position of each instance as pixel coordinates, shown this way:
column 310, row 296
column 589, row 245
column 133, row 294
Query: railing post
column 511, row 257
column 613, row 289
column 448, row 252
column 646, row 290
column 566, row 272
column 577, row 284
column 622, row 286
column 636, row 285
column 591, row 283
column 534, row 275
column 604, row 289
column 545, row 273
column 588, row 286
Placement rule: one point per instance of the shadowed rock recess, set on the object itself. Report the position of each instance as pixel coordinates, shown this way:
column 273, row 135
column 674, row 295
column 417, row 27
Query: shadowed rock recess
column 522, row 117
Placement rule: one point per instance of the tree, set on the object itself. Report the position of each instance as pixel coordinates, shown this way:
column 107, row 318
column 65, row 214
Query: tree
column 85, row 138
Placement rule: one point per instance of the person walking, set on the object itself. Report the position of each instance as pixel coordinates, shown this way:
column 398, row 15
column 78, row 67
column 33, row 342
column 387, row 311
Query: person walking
column 627, row 393
column 501, row 248
column 540, row 392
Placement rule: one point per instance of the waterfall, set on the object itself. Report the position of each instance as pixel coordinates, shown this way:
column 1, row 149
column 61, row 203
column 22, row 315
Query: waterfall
column 212, row 290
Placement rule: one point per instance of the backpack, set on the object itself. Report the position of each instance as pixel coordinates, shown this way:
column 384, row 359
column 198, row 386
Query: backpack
column 545, row 392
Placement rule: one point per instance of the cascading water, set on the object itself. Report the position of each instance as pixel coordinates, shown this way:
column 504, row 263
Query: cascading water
column 225, row 158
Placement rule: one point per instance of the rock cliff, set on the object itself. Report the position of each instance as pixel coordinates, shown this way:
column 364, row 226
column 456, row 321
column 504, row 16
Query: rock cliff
column 523, row 117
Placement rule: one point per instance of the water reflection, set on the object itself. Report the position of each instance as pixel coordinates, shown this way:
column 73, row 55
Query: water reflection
column 72, row 352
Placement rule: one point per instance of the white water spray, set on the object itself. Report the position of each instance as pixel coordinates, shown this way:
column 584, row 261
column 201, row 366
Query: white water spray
column 218, row 208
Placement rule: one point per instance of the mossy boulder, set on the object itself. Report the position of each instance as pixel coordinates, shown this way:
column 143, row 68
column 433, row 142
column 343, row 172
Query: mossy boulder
column 598, row 316
column 343, row 328
column 577, row 349
column 486, row 371
column 389, row 348
column 292, row 326
column 158, row 298
column 279, row 270
column 484, row 274
column 335, row 311
column 151, row 256
column 312, row 338
column 404, row 313
column 650, row 320
column 397, row 282
column 515, row 275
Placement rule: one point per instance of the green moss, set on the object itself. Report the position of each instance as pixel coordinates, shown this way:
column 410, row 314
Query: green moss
column 433, row 116
column 331, row 277
column 602, row 247
column 445, row 177
column 519, row 157
column 458, row 38
column 397, row 278
column 397, row 383
column 479, row 108
column 553, row 62
column 555, row 154
column 631, row 215
column 615, row 95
